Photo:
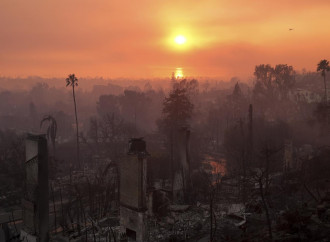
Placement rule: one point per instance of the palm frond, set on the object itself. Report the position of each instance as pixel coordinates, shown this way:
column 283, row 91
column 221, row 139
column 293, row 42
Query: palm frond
column 71, row 80
column 46, row 118
column 52, row 128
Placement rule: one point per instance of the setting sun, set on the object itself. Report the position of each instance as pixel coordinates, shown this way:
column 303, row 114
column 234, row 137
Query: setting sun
column 178, row 73
column 180, row 39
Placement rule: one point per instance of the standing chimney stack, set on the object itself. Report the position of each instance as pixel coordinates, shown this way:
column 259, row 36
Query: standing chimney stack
column 35, row 204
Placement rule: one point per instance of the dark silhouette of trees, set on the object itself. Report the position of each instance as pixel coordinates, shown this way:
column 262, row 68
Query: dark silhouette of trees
column 177, row 107
column 177, row 111
column 272, row 89
column 274, row 82
column 264, row 80
column 284, row 77
column 323, row 67
column 72, row 81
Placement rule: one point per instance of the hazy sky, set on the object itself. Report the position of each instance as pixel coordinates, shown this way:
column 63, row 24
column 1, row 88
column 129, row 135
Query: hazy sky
column 135, row 38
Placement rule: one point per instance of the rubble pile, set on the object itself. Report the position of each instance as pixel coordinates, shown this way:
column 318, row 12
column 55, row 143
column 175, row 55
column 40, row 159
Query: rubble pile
column 308, row 223
column 102, row 230
column 182, row 222
column 187, row 223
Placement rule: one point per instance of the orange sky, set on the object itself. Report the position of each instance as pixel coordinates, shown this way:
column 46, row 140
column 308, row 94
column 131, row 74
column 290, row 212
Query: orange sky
column 130, row 38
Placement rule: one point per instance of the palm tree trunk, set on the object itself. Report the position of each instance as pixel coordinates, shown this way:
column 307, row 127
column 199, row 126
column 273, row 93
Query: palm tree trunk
column 325, row 90
column 77, row 128
column 54, row 150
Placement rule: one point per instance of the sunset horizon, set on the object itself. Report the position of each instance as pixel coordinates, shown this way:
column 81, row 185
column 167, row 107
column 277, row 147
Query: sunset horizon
column 164, row 120
column 218, row 39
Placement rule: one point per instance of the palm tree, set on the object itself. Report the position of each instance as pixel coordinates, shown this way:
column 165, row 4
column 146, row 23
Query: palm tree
column 323, row 67
column 72, row 80
column 51, row 130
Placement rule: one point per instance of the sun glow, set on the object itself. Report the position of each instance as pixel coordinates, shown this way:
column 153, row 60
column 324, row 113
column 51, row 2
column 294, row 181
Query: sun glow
column 178, row 73
column 180, row 39
column 183, row 39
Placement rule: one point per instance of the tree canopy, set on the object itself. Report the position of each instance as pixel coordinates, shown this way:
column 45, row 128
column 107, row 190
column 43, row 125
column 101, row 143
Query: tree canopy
column 323, row 67
column 177, row 107
column 274, row 82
